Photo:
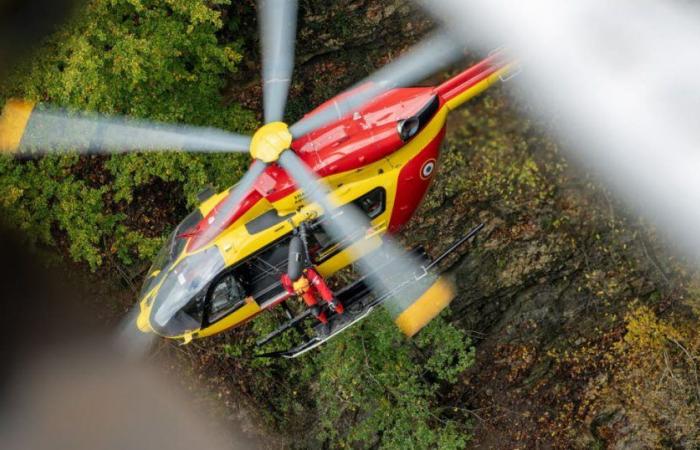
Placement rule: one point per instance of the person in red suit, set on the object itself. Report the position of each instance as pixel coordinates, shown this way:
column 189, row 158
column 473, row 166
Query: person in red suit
column 302, row 280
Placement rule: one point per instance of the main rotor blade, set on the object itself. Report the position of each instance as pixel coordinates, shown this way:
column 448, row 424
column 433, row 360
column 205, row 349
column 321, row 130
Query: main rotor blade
column 229, row 204
column 46, row 130
column 346, row 221
column 423, row 60
column 278, row 24
column 131, row 342
column 626, row 108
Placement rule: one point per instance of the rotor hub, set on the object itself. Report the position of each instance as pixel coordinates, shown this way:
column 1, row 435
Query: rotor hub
column 270, row 141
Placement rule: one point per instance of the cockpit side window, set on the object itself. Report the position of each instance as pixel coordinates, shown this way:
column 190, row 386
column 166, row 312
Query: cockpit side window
column 224, row 297
column 183, row 285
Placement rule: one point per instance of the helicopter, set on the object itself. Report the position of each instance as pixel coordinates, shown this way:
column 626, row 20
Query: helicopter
column 320, row 195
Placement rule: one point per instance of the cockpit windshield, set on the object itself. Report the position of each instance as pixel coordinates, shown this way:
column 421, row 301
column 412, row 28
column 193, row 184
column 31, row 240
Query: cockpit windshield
column 180, row 284
column 158, row 268
column 171, row 249
column 184, row 283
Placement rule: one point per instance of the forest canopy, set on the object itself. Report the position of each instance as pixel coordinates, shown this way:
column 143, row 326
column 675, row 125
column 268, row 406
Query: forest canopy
column 585, row 322
column 169, row 61
column 164, row 60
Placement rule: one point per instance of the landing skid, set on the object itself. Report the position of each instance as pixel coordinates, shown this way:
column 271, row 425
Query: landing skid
column 337, row 326
column 359, row 302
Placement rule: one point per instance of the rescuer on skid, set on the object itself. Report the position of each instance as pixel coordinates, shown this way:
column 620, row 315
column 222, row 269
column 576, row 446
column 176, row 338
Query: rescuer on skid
column 303, row 281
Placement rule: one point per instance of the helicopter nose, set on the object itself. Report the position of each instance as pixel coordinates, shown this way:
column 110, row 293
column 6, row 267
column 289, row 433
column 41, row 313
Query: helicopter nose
column 142, row 322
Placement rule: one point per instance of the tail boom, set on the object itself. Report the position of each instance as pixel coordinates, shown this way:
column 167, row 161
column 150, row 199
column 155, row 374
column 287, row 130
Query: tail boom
column 476, row 79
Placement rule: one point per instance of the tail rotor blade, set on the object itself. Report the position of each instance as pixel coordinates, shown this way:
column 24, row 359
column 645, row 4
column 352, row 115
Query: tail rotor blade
column 428, row 57
column 132, row 343
column 278, row 22
column 42, row 129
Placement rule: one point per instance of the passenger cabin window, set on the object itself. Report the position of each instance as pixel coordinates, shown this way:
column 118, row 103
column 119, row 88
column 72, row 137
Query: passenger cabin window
column 321, row 246
column 372, row 203
column 226, row 296
column 258, row 276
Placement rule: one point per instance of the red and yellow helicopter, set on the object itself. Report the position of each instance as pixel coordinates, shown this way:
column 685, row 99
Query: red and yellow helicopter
column 320, row 195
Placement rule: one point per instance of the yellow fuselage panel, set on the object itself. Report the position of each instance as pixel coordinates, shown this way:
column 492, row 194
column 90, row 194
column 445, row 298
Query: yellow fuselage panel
column 236, row 243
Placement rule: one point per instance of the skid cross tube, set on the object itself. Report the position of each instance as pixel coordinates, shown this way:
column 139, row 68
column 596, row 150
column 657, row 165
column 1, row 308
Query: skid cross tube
column 284, row 327
column 368, row 306
column 473, row 232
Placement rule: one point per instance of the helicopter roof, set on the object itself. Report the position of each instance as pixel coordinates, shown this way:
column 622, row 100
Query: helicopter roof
column 347, row 144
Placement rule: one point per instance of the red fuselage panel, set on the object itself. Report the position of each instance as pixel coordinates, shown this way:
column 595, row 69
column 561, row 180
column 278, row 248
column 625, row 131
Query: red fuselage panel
column 352, row 142
column 413, row 183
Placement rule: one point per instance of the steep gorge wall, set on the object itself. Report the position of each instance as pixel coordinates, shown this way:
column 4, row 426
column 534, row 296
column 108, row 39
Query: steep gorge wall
column 557, row 281
column 560, row 291
column 584, row 324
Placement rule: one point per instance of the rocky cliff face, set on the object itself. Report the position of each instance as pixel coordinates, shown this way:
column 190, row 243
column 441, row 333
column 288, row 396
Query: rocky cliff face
column 584, row 322
column 339, row 43
column 560, row 290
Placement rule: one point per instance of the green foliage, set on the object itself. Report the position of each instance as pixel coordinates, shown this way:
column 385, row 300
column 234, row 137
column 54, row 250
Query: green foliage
column 373, row 373
column 155, row 59
column 370, row 386
column 451, row 356
column 166, row 60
